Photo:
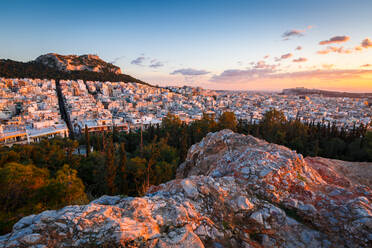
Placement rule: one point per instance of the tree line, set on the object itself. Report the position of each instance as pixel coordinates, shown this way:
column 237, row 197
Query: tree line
column 52, row 174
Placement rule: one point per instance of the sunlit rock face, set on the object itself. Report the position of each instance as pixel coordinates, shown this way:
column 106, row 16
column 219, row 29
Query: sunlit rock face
column 232, row 191
column 87, row 62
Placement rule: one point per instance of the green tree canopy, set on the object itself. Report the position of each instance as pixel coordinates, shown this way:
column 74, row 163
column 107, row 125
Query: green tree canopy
column 227, row 120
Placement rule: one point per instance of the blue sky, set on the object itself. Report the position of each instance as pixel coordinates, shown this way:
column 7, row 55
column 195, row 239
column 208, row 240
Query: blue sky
column 214, row 44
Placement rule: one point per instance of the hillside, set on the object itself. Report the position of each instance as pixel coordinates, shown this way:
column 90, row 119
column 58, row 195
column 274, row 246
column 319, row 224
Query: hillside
column 305, row 91
column 87, row 62
column 232, row 191
column 35, row 69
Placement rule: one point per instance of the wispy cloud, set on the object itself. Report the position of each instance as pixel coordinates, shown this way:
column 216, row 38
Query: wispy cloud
column 238, row 75
column 190, row 72
column 284, row 56
column 293, row 33
column 366, row 65
column 138, row 60
column 263, row 65
column 333, row 49
column 147, row 61
column 328, row 66
column 335, row 39
column 300, row 60
column 156, row 64
column 243, row 76
column 115, row 60
column 298, row 48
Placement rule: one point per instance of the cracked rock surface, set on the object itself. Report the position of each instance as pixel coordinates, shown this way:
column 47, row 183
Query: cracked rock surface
column 232, row 191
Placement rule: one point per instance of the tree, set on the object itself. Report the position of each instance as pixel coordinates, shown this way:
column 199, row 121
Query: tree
column 368, row 145
column 110, row 168
column 272, row 126
column 171, row 125
column 123, row 180
column 227, row 121
column 137, row 169
column 92, row 171
column 87, row 141
column 66, row 189
column 19, row 184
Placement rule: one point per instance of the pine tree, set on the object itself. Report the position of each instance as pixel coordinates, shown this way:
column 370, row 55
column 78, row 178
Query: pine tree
column 104, row 141
column 123, row 170
column 87, row 141
column 110, row 168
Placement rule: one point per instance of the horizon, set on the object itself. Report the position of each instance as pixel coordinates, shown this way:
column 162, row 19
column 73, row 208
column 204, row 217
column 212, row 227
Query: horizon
column 235, row 45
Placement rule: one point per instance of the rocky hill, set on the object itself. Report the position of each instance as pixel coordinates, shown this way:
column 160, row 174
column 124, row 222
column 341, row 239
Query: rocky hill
column 87, row 62
column 232, row 191
column 35, row 69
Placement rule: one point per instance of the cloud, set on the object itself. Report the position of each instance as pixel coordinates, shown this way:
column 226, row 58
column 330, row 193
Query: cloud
column 332, row 49
column 115, row 60
column 156, row 64
column 328, row 66
column 358, row 48
column 138, row 61
column 298, row 48
column 335, row 39
column 300, row 60
column 366, row 65
column 367, row 43
column 293, row 33
column 266, row 56
column 147, row 61
column 243, row 76
column 284, row 56
column 237, row 75
column 262, row 65
column 189, row 72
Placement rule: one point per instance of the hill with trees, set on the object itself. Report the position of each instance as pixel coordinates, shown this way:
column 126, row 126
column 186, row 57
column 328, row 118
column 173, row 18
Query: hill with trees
column 33, row 69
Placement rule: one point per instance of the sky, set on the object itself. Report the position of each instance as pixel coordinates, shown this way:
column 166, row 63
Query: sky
column 227, row 45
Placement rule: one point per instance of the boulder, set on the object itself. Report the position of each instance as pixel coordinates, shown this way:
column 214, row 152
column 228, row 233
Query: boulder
column 232, row 191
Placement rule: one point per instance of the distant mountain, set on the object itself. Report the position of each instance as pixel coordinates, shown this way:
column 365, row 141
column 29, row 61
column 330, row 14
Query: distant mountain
column 85, row 67
column 87, row 62
column 305, row 91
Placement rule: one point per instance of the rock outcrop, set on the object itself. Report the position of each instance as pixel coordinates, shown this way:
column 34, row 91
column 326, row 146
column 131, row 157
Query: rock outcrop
column 87, row 62
column 232, row 191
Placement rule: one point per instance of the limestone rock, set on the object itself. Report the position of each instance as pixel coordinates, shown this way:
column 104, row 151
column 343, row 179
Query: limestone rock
column 87, row 62
column 232, row 191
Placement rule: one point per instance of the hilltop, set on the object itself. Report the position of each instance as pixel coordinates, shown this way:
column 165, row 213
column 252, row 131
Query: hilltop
column 87, row 62
column 55, row 66
column 232, row 191
column 305, row 91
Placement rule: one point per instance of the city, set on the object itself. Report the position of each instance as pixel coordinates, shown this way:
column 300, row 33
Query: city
column 186, row 124
column 29, row 107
